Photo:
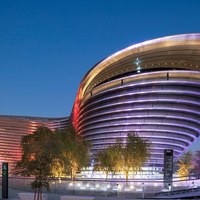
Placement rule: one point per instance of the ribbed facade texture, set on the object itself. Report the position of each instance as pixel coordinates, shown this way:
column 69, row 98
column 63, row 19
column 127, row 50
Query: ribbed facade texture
column 12, row 128
column 151, row 88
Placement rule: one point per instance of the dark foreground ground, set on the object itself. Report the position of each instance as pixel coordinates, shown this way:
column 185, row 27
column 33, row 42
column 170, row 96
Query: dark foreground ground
column 13, row 195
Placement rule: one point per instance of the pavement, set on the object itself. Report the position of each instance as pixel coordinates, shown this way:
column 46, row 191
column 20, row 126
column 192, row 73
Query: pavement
column 57, row 197
column 13, row 195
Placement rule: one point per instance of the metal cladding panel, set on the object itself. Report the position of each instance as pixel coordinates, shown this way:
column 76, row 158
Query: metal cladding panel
column 165, row 113
column 152, row 89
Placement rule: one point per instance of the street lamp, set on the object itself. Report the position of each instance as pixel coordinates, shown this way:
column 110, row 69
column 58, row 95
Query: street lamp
column 192, row 184
column 169, row 186
column 143, row 190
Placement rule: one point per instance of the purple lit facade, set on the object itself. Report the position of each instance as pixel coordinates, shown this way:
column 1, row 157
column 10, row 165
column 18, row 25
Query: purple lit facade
column 152, row 89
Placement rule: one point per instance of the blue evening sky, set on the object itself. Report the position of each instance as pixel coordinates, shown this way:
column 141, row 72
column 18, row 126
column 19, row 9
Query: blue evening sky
column 47, row 46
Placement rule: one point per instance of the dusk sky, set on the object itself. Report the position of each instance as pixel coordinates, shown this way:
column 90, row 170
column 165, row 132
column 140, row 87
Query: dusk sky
column 47, row 46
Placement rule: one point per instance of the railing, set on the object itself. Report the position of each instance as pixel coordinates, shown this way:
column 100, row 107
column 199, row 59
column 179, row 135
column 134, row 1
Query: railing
column 176, row 192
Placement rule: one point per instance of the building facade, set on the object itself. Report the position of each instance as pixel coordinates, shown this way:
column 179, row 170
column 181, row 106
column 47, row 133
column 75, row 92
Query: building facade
column 151, row 88
column 12, row 128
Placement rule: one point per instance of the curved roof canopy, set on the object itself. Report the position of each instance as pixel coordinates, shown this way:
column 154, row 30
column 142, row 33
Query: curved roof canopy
column 179, row 51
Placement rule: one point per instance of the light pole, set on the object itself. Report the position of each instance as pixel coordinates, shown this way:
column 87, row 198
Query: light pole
column 169, row 186
column 192, row 184
column 143, row 190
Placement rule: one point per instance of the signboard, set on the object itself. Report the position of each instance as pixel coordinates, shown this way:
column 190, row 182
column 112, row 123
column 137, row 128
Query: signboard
column 4, row 180
column 168, row 168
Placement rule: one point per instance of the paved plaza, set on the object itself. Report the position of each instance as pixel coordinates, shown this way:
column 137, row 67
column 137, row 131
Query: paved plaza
column 13, row 195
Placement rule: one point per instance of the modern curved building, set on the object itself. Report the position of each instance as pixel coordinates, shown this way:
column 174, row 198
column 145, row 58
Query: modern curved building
column 12, row 128
column 151, row 88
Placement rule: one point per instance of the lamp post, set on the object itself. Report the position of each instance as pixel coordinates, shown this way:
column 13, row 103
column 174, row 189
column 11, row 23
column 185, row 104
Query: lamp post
column 192, row 184
column 143, row 190
column 169, row 186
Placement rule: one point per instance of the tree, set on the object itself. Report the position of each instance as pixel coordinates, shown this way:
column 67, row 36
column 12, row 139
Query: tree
column 107, row 161
column 47, row 153
column 103, row 162
column 134, row 154
column 39, row 150
column 196, row 163
column 58, row 169
column 74, row 152
column 185, row 165
column 124, row 157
